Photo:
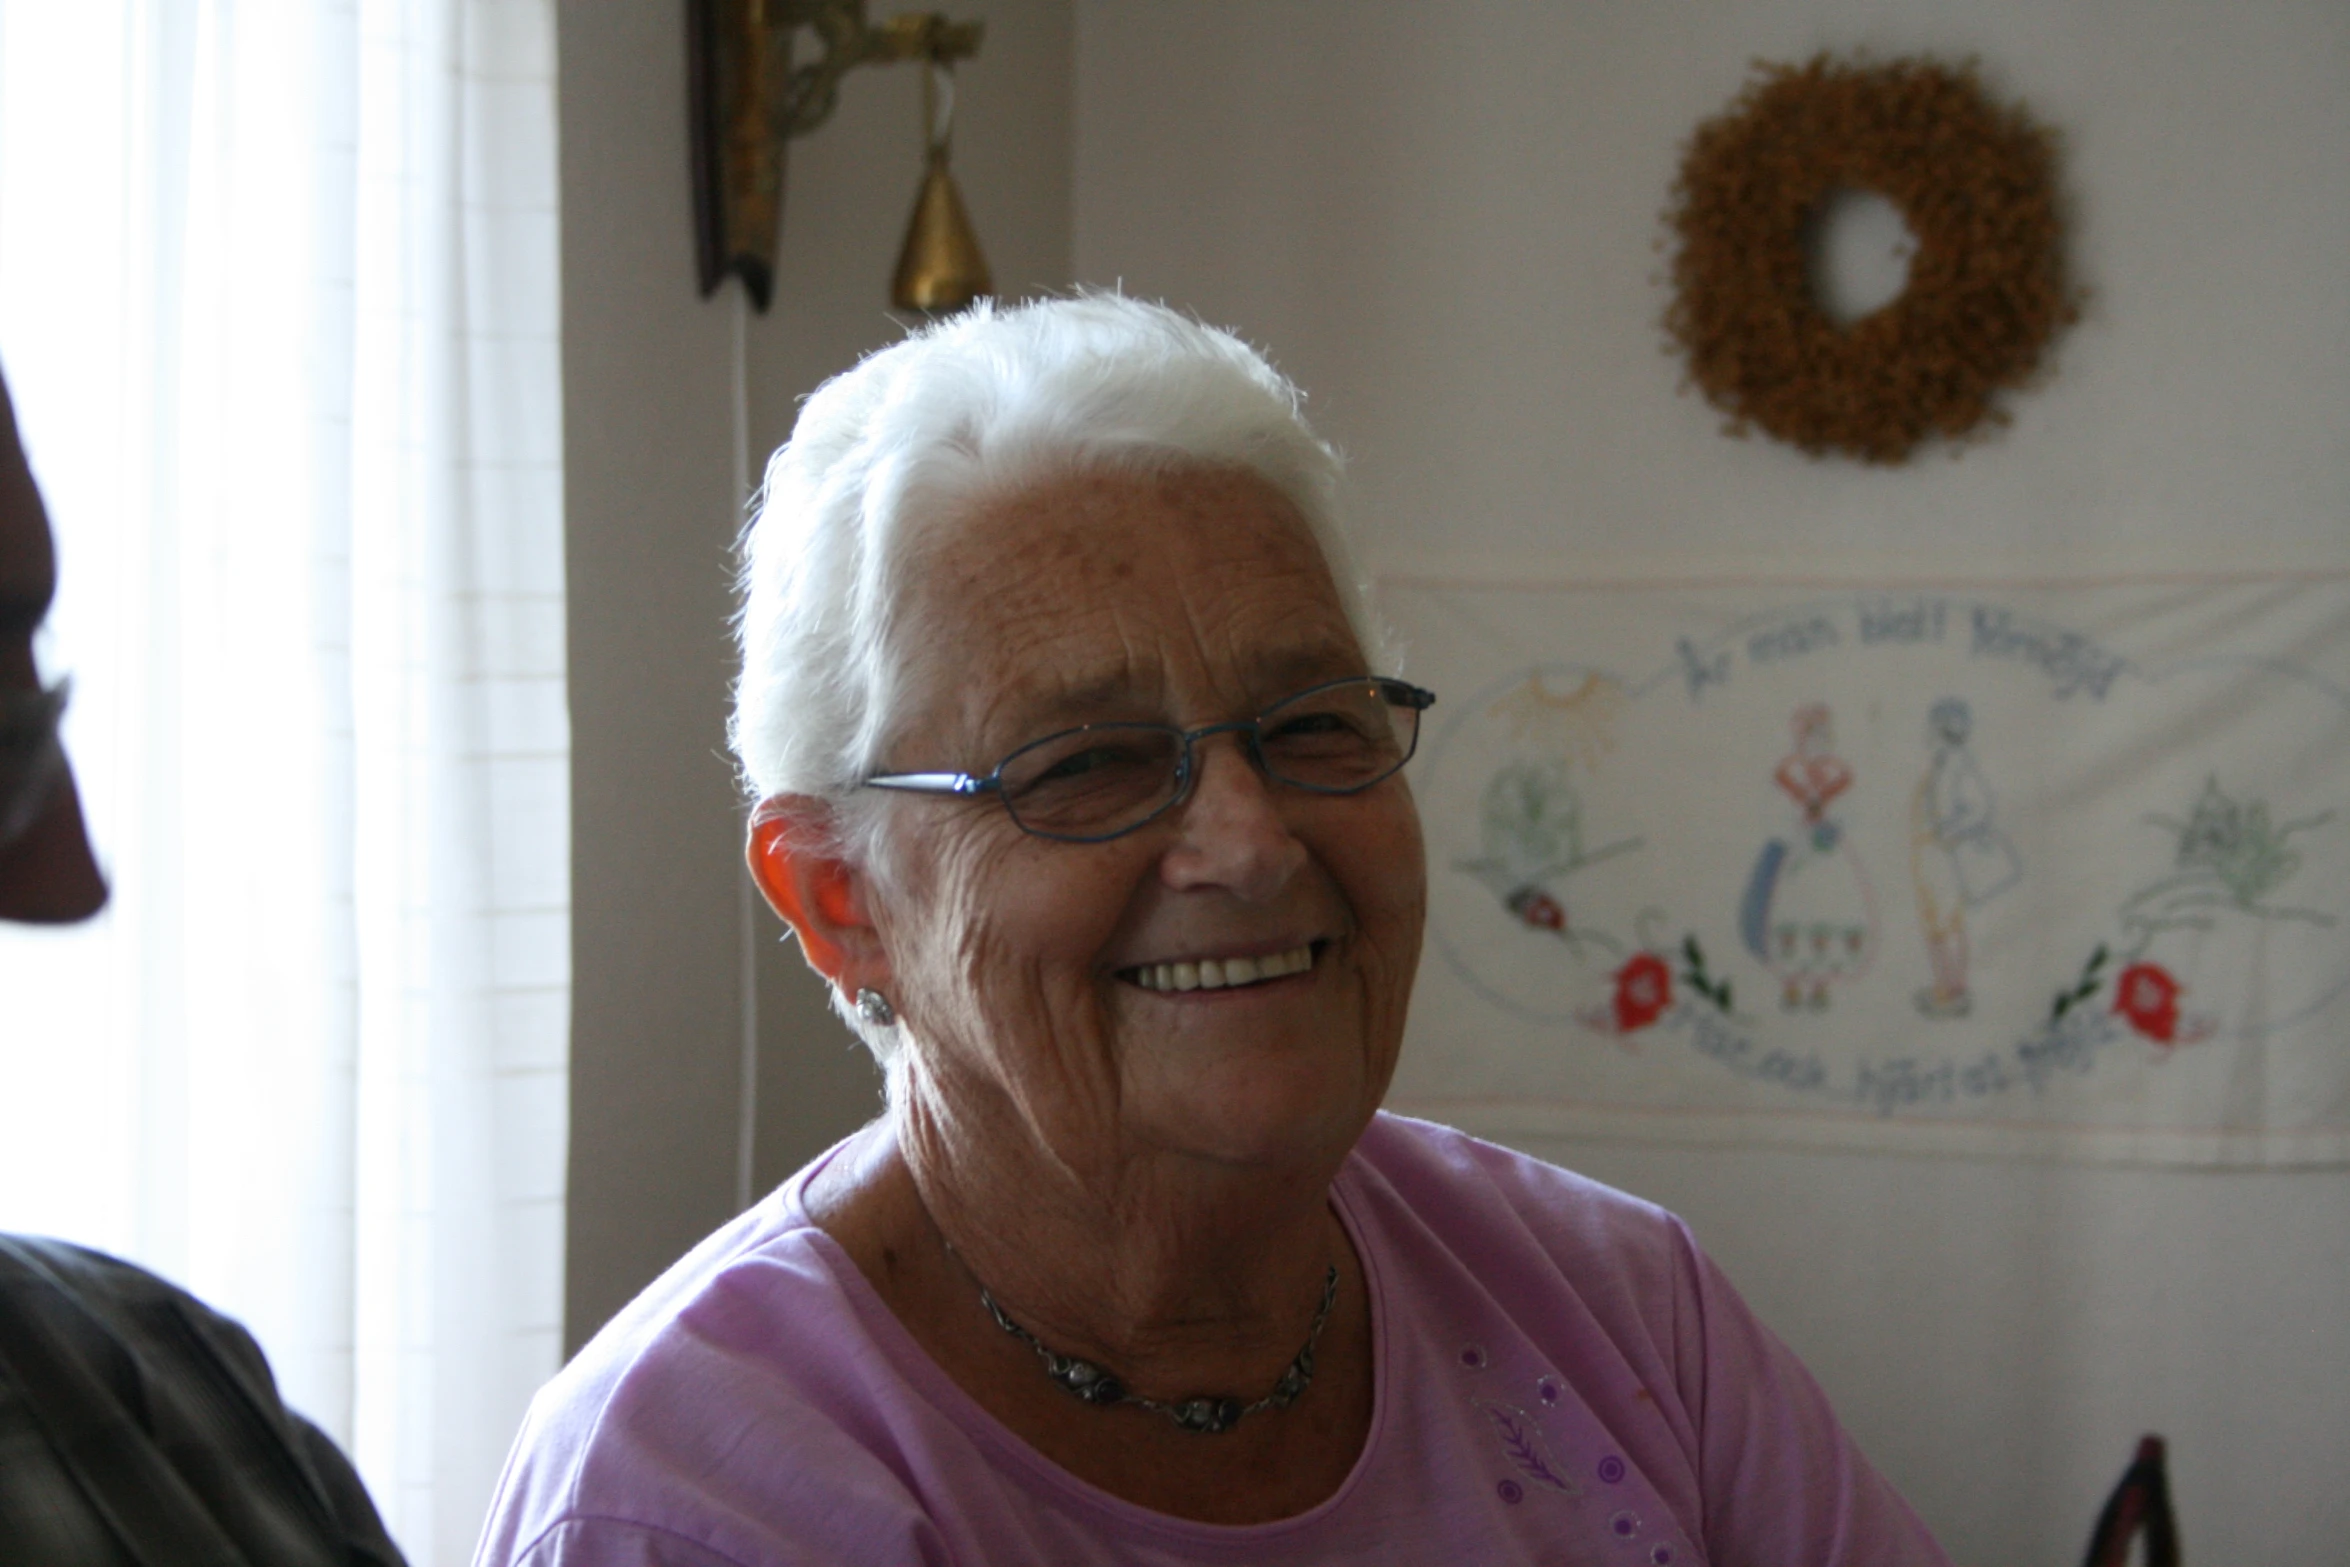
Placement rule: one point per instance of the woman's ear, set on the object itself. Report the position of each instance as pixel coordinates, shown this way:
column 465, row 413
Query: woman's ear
column 795, row 858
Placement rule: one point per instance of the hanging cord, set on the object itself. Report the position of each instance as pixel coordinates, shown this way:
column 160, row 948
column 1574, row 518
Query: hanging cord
column 938, row 109
column 746, row 1131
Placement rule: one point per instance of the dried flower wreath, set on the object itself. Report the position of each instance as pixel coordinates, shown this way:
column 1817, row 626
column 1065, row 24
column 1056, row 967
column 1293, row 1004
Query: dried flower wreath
column 1987, row 286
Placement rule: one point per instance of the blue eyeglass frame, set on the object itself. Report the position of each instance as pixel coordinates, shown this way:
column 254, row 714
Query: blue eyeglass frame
column 1397, row 693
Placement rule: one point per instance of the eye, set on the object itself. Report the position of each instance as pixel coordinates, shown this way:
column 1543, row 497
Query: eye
column 1092, row 759
column 1086, row 761
column 1306, row 726
column 1321, row 731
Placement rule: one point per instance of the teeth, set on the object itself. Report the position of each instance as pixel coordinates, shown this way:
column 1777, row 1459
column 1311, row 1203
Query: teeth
column 1222, row 973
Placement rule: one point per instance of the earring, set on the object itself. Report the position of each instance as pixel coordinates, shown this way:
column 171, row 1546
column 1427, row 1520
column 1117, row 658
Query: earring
column 875, row 1009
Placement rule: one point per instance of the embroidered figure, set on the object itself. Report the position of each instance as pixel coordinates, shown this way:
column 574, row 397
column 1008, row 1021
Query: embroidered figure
column 2229, row 859
column 1958, row 859
column 1530, row 826
column 1807, row 914
column 1578, row 726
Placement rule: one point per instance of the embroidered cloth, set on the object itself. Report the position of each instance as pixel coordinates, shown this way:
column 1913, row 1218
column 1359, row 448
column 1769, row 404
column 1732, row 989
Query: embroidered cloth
column 2049, row 870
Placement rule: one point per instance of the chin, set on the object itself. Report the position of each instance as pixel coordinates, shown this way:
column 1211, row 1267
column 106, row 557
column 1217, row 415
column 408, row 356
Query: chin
column 1283, row 1108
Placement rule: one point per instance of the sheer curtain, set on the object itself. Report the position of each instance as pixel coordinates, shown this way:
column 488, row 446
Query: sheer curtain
column 278, row 302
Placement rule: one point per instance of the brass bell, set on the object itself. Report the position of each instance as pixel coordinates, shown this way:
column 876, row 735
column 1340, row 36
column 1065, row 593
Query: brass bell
column 940, row 267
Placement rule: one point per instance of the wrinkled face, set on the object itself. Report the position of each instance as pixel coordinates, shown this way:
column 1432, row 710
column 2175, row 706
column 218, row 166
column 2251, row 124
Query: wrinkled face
column 1025, row 968
column 46, row 872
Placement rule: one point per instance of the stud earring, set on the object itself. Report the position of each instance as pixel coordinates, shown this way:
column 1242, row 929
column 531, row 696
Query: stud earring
column 875, row 1009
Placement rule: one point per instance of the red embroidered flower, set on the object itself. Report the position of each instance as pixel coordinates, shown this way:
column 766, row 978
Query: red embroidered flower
column 2148, row 997
column 1644, row 988
column 1538, row 909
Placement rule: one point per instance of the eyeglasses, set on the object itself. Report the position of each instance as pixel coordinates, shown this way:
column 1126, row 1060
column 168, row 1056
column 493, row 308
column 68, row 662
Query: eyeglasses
column 1098, row 781
column 31, row 757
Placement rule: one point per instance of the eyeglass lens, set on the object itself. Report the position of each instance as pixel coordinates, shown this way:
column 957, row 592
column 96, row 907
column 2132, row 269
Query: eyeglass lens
column 1104, row 778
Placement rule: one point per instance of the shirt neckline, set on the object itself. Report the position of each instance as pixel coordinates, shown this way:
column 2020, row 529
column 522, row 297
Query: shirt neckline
column 930, row 1382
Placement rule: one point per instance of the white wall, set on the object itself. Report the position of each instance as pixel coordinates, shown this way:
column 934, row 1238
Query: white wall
column 1440, row 219
column 658, row 934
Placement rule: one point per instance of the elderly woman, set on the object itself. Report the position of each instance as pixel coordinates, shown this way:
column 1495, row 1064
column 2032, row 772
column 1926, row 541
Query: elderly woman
column 1078, row 764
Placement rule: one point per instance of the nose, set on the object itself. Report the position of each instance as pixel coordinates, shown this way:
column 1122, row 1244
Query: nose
column 1229, row 831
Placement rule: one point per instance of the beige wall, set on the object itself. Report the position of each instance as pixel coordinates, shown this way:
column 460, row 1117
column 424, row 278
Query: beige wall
column 1440, row 219
column 659, row 998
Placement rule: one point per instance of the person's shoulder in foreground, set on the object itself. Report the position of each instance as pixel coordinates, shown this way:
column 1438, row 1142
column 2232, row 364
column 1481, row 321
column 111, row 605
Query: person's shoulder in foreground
column 137, row 1425
column 1560, row 1370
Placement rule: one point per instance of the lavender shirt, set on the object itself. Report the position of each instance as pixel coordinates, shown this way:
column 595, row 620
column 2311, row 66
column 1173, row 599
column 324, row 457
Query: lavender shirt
column 1562, row 1377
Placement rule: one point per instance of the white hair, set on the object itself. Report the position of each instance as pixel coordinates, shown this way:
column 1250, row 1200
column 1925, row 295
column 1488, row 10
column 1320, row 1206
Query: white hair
column 971, row 408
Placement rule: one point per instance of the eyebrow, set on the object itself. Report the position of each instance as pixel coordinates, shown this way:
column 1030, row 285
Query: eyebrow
column 1305, row 663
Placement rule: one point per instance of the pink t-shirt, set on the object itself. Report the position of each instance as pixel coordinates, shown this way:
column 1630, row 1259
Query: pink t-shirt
column 1561, row 1377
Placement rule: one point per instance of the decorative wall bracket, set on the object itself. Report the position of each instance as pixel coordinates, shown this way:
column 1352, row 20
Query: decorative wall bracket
column 748, row 99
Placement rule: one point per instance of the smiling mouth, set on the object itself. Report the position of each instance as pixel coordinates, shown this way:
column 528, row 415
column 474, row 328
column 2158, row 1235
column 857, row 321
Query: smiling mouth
column 1223, row 973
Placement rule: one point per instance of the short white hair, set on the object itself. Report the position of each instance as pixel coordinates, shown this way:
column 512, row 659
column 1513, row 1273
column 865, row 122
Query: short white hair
column 974, row 407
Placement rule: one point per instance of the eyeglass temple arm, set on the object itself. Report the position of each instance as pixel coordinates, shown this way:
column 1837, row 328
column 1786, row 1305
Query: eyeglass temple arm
column 1404, row 694
column 931, row 783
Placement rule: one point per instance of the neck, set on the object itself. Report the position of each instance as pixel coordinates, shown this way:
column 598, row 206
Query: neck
column 1178, row 1271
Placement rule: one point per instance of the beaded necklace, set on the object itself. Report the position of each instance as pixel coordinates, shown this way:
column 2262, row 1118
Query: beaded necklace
column 1206, row 1413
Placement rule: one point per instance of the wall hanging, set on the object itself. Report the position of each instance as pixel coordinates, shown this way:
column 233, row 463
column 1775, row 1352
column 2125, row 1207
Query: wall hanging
column 2035, row 869
column 1975, row 182
column 747, row 99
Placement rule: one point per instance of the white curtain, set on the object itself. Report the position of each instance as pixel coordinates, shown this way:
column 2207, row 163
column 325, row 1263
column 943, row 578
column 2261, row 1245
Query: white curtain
column 278, row 303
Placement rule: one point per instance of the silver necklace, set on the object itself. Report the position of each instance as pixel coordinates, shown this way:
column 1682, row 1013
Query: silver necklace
column 1206, row 1413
